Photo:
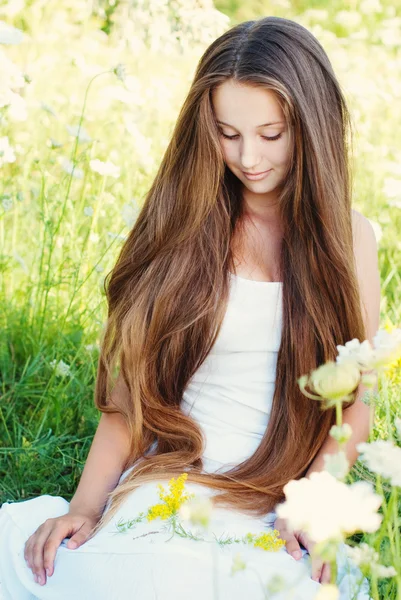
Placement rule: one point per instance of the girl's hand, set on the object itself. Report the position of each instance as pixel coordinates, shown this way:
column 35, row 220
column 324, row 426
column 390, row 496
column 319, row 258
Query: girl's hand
column 41, row 548
column 320, row 570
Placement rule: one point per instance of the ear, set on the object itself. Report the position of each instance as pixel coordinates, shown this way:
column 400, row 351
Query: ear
column 366, row 260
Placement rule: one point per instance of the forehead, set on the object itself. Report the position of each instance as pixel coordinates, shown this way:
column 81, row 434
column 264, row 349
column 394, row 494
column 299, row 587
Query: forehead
column 242, row 104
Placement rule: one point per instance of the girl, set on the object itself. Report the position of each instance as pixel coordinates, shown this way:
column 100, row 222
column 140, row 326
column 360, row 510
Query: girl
column 244, row 270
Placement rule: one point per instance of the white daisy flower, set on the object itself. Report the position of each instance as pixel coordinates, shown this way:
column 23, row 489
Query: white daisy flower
column 328, row 509
column 386, row 349
column 327, row 591
column 69, row 167
column 61, row 368
column 88, row 211
column 7, row 154
column 79, row 133
column 10, row 35
column 105, row 168
column 382, row 457
column 365, row 556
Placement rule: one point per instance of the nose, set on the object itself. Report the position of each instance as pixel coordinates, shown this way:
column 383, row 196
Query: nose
column 249, row 155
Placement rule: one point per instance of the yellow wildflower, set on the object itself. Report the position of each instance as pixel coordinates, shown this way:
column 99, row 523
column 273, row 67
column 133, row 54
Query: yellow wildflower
column 394, row 370
column 171, row 500
column 269, row 541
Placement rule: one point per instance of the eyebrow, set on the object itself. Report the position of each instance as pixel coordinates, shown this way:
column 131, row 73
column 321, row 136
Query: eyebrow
column 257, row 126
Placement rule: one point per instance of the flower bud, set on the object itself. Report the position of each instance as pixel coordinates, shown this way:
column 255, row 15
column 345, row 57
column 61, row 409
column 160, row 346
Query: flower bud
column 335, row 381
column 341, row 433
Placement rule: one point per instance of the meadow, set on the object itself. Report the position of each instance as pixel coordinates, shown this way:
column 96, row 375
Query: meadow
column 87, row 103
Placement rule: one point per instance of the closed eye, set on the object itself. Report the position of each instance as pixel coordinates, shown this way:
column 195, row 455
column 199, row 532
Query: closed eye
column 234, row 137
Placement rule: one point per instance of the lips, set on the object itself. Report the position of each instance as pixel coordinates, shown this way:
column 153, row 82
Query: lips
column 254, row 174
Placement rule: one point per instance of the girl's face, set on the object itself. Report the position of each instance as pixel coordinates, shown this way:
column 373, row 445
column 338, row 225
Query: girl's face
column 253, row 134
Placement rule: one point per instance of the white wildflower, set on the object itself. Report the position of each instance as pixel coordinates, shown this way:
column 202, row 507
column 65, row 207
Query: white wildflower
column 129, row 214
column 386, row 349
column 327, row 591
column 79, row 133
column 392, row 187
column 11, row 75
column 366, row 557
column 91, row 347
column 362, row 555
column 336, row 464
column 387, row 345
column 88, row 211
column 17, row 108
column 333, row 381
column 348, row 18
column 7, row 154
column 120, row 72
column 69, row 167
column 105, row 168
column 12, row 7
column 61, row 368
column 10, row 35
column 356, row 351
column 370, row 6
column 328, row 509
column 382, row 457
column 383, row 572
column 341, row 433
column 7, row 203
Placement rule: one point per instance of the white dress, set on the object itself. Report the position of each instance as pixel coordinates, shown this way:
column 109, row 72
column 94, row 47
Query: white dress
column 230, row 396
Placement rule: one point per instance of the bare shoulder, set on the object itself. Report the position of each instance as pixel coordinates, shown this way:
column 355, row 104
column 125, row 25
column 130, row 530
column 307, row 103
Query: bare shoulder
column 363, row 231
column 366, row 262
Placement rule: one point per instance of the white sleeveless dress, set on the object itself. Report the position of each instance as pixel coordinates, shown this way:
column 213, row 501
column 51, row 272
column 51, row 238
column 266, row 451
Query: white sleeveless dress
column 230, row 396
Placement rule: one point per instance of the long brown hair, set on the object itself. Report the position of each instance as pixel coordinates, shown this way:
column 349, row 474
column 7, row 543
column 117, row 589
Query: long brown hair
column 168, row 292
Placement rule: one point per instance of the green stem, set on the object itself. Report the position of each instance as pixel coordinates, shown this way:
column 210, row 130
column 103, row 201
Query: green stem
column 375, row 589
column 339, row 413
column 333, row 571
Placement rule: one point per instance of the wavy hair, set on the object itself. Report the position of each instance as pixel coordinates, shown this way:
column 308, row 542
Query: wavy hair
column 168, row 291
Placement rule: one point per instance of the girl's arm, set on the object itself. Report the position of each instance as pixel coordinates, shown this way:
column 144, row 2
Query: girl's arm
column 107, row 458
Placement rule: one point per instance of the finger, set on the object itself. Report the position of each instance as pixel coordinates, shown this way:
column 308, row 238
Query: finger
column 306, row 542
column 293, row 546
column 317, row 566
column 79, row 537
column 38, row 544
column 325, row 576
column 51, row 546
column 34, row 544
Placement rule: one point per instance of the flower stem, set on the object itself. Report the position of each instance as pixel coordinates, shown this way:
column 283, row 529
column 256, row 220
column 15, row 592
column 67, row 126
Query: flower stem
column 339, row 413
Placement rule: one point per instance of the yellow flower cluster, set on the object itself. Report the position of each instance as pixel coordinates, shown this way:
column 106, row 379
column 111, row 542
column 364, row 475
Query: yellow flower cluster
column 394, row 370
column 269, row 541
column 171, row 500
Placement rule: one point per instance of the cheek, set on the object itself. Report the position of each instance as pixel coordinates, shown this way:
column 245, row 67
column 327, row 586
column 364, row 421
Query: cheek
column 229, row 152
column 279, row 154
